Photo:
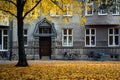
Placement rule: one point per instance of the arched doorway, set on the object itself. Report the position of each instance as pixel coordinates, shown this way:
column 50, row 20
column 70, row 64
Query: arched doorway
column 44, row 30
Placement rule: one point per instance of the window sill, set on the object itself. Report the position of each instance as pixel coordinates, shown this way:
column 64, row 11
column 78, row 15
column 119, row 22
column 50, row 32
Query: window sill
column 55, row 15
column 89, row 15
column 25, row 45
column 90, row 46
column 102, row 14
column 113, row 46
column 3, row 50
column 67, row 15
column 116, row 14
column 67, row 45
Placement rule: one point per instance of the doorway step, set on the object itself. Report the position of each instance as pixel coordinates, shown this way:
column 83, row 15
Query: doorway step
column 45, row 58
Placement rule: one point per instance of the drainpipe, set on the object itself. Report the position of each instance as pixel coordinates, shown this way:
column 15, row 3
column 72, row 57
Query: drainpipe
column 10, row 39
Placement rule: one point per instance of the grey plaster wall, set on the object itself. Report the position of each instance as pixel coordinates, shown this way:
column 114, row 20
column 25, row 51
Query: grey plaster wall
column 108, row 19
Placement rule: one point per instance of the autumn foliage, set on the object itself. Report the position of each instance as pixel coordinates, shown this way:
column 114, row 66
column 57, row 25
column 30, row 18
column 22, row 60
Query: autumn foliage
column 62, row 70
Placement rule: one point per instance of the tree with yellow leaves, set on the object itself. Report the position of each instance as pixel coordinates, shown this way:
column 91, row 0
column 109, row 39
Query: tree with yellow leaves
column 21, row 9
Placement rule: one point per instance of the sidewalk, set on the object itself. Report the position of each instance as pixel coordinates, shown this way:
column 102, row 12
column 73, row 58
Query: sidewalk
column 55, row 61
column 7, row 62
column 42, row 61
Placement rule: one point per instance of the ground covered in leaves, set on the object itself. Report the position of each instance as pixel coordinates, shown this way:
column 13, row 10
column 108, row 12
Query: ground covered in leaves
column 62, row 70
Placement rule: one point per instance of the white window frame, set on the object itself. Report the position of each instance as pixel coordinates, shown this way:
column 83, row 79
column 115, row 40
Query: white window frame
column 86, row 11
column 67, row 35
column 99, row 12
column 26, row 35
column 2, row 43
column 90, row 35
column 113, row 35
column 68, row 13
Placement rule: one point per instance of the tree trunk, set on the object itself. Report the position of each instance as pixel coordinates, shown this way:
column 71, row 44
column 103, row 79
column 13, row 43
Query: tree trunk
column 21, row 50
column 22, row 62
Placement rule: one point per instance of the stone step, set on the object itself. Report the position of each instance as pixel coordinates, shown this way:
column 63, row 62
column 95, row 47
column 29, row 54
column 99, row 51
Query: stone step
column 45, row 58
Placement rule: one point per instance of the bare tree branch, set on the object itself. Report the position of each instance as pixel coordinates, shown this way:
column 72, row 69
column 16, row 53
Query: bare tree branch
column 10, row 2
column 57, row 5
column 8, row 12
column 32, row 9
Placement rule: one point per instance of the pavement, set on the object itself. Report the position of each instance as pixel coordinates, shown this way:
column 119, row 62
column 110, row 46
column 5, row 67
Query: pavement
column 31, row 61
column 51, row 61
column 41, row 61
column 7, row 62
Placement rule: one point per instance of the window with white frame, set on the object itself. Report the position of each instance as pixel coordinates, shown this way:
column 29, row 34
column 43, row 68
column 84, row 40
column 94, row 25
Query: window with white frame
column 102, row 7
column 3, row 39
column 67, row 9
column 67, row 37
column 55, row 11
column 89, row 8
column 25, row 37
column 90, row 37
column 116, row 7
column 113, row 37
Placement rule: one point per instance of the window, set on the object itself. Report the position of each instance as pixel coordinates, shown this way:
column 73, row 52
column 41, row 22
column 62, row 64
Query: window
column 25, row 37
column 46, row 30
column 3, row 39
column 89, row 8
column 113, row 37
column 68, row 9
column 67, row 37
column 116, row 7
column 90, row 37
column 4, row 19
column 55, row 12
column 103, row 10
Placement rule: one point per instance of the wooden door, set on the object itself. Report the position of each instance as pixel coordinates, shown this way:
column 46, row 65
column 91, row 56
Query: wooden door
column 44, row 46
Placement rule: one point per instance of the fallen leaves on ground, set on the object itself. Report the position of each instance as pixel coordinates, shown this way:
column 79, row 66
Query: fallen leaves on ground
column 62, row 70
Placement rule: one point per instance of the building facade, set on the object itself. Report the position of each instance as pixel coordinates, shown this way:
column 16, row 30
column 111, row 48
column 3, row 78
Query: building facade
column 99, row 39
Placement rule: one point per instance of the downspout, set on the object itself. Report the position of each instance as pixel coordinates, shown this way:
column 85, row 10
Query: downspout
column 10, row 39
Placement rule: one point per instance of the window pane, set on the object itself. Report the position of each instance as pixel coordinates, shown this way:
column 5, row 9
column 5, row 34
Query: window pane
column 114, row 10
column 92, row 31
column 93, row 40
column 70, row 32
column 5, row 32
column 25, row 32
column 0, row 39
column 70, row 40
column 116, row 40
column 5, row 45
column 87, row 31
column 118, row 7
column 40, row 30
column 103, row 11
column 87, row 40
column 110, row 31
column 25, row 40
column 116, row 31
column 67, row 9
column 65, row 40
column 65, row 31
column 102, row 7
column 89, row 9
column 46, row 30
column 110, row 40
